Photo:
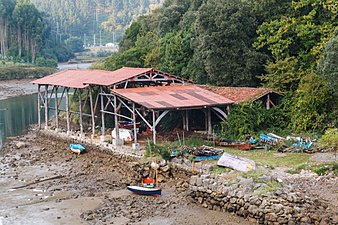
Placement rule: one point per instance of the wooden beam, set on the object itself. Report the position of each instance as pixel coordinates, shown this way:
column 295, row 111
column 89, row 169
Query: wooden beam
column 39, row 106
column 46, row 107
column 56, row 108
column 102, row 113
column 67, row 110
column 154, row 127
column 209, row 121
column 80, row 111
column 92, row 110
column 134, row 122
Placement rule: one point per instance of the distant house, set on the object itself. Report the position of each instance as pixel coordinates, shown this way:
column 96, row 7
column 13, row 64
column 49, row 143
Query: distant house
column 110, row 45
column 267, row 96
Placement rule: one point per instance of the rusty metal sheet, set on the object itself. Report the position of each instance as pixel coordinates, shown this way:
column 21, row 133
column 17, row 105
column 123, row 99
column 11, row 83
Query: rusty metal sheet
column 164, row 97
column 117, row 76
column 70, row 78
column 239, row 94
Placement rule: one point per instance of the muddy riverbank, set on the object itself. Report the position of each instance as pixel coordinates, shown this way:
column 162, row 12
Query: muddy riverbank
column 42, row 182
column 14, row 88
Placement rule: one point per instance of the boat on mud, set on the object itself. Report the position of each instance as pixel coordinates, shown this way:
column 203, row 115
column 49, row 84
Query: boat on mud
column 77, row 148
column 144, row 190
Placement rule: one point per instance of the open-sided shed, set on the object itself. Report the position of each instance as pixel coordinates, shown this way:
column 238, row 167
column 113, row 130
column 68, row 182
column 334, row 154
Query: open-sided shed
column 135, row 89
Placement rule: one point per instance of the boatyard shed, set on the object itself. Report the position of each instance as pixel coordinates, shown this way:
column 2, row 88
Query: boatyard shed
column 135, row 94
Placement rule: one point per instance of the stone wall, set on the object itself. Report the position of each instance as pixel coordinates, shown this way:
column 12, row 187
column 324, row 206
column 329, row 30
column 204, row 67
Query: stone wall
column 216, row 192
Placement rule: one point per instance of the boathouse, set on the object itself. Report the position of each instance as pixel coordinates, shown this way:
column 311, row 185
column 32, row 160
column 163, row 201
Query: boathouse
column 145, row 94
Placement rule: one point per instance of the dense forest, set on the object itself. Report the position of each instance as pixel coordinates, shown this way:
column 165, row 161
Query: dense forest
column 95, row 21
column 50, row 29
column 287, row 45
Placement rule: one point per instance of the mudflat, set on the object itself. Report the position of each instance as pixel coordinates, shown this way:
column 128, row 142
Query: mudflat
column 14, row 88
column 43, row 182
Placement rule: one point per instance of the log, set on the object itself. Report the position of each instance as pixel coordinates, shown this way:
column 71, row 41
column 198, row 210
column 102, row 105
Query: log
column 39, row 181
column 236, row 162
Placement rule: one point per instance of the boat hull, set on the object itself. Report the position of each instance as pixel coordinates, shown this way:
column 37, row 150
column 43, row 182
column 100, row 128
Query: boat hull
column 144, row 191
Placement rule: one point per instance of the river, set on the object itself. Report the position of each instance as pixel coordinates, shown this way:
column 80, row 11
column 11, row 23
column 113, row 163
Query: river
column 16, row 114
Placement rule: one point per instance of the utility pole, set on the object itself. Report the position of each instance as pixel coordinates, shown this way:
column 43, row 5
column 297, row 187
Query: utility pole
column 94, row 39
column 100, row 39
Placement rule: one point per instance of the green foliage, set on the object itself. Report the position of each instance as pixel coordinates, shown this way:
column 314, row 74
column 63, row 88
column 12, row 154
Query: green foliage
column 75, row 44
column 40, row 61
column 330, row 139
column 252, row 118
column 10, row 71
column 311, row 104
column 327, row 67
column 320, row 169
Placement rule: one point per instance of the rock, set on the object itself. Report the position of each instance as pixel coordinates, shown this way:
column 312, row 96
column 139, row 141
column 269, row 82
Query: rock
column 21, row 144
column 165, row 168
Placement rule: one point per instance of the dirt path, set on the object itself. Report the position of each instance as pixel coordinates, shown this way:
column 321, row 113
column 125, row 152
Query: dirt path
column 87, row 189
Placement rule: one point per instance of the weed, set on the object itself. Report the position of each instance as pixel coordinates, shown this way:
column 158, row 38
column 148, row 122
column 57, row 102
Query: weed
column 270, row 187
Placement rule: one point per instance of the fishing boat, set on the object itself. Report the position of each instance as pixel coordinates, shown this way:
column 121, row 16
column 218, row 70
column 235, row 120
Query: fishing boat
column 144, row 190
column 149, row 184
column 77, row 148
column 129, row 125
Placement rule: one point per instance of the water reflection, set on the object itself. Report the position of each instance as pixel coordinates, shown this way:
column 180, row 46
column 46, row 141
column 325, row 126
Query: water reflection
column 16, row 114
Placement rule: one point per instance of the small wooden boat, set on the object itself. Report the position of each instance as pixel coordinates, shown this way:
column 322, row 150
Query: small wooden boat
column 144, row 190
column 242, row 146
column 77, row 148
column 129, row 125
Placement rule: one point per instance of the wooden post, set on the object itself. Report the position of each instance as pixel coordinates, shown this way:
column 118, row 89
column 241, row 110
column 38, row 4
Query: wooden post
column 156, row 173
column 206, row 119
column 80, row 110
column 187, row 120
column 117, row 132
column 56, row 109
column 134, row 121
column 67, row 111
column 46, row 107
column 102, row 116
column 154, row 127
column 92, row 110
column 184, row 120
column 209, row 122
column 39, row 107
column 268, row 102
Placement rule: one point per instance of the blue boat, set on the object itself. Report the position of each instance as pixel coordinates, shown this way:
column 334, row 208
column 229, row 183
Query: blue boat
column 77, row 148
column 144, row 190
column 207, row 157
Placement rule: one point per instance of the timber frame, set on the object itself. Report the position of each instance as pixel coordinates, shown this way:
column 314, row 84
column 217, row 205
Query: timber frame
column 106, row 100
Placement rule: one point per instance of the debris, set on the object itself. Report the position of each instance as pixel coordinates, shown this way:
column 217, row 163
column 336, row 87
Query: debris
column 237, row 163
column 39, row 181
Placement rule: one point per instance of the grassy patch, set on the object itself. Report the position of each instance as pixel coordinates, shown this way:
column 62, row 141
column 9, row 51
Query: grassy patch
column 320, row 169
column 255, row 175
column 271, row 158
column 10, row 71
column 270, row 187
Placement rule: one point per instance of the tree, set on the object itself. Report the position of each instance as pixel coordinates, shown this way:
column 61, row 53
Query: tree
column 226, row 30
column 328, row 66
column 75, row 44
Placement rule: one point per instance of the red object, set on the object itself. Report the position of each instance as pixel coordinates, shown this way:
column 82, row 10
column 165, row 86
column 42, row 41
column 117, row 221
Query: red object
column 172, row 97
column 148, row 180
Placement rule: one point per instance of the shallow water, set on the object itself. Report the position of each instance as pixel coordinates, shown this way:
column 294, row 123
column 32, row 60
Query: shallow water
column 16, row 114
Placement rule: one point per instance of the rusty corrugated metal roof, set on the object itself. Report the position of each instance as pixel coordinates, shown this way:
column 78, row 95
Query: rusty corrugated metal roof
column 172, row 97
column 117, row 76
column 239, row 94
column 71, row 78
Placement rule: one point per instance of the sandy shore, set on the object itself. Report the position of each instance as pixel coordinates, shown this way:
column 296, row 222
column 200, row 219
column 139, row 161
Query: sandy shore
column 14, row 88
column 87, row 189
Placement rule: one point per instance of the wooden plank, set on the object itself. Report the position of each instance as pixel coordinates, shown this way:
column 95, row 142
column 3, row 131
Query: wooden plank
column 236, row 162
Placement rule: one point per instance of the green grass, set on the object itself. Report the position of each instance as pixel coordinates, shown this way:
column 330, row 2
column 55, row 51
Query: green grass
column 9, row 70
column 270, row 187
column 272, row 159
column 320, row 169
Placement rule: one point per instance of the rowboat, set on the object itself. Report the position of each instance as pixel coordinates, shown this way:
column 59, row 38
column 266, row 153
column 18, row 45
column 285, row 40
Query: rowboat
column 77, row 148
column 242, row 146
column 144, row 190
